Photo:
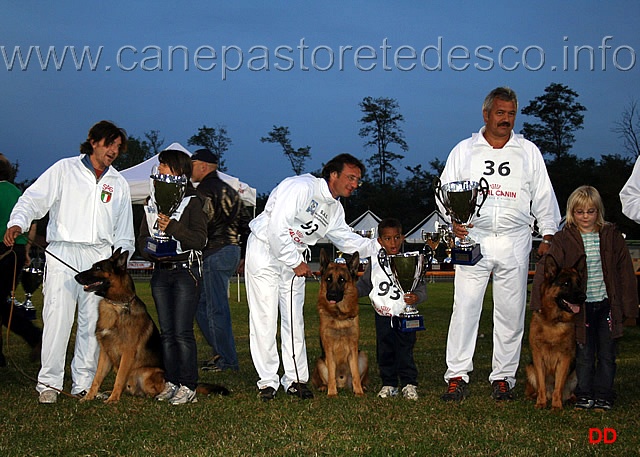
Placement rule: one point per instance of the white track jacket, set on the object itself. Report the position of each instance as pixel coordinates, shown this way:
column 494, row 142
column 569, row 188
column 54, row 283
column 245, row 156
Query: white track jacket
column 519, row 185
column 300, row 211
column 82, row 210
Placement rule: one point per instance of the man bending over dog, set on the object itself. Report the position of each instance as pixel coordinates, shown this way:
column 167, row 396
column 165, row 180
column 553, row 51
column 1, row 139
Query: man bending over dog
column 89, row 206
column 300, row 211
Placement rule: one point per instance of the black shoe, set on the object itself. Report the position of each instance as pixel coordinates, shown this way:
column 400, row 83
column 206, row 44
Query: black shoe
column 602, row 405
column 267, row 393
column 300, row 389
column 456, row 391
column 212, row 364
column 584, row 403
column 501, row 390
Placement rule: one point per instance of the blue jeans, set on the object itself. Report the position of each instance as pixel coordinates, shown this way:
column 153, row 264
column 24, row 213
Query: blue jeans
column 214, row 316
column 596, row 359
column 175, row 293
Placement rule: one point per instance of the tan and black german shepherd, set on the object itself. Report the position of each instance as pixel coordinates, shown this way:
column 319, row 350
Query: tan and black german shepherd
column 341, row 364
column 129, row 339
column 552, row 334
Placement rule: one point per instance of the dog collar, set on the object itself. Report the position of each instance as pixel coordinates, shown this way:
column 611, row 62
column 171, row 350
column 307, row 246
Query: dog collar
column 125, row 304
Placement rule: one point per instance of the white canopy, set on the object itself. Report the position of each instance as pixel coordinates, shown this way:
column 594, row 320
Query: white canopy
column 138, row 179
column 367, row 221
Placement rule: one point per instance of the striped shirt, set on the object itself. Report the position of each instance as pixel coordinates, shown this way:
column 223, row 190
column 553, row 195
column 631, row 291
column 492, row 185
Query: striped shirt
column 596, row 290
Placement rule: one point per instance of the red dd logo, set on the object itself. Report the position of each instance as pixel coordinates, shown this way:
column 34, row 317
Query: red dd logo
column 606, row 436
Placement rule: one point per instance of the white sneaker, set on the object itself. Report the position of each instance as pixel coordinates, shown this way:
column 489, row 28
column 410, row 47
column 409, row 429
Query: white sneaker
column 409, row 392
column 388, row 391
column 184, row 395
column 169, row 391
column 48, row 396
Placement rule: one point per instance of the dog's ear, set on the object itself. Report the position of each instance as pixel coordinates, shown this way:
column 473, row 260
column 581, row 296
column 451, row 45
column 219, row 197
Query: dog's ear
column 551, row 267
column 324, row 260
column 354, row 264
column 121, row 260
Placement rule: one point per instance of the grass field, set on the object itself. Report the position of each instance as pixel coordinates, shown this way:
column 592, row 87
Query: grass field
column 241, row 425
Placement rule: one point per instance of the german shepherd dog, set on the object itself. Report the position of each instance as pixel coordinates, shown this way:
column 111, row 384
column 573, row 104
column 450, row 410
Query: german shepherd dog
column 552, row 334
column 129, row 339
column 341, row 364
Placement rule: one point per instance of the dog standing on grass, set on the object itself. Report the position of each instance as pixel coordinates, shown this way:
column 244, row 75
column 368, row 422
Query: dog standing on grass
column 342, row 364
column 129, row 339
column 552, row 334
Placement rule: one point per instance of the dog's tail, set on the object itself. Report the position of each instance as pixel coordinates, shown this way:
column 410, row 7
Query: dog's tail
column 207, row 389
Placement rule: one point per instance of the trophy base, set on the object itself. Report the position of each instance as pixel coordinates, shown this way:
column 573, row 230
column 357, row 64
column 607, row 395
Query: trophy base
column 466, row 256
column 408, row 322
column 161, row 248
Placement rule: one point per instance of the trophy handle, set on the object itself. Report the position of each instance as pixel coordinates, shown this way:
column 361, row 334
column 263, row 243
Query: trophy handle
column 386, row 265
column 437, row 188
column 483, row 188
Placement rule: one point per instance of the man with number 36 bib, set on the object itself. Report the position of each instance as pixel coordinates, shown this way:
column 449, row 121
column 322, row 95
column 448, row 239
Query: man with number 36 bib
column 519, row 191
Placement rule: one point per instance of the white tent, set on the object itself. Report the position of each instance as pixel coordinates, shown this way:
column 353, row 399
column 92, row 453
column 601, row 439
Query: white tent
column 138, row 179
column 367, row 221
column 427, row 224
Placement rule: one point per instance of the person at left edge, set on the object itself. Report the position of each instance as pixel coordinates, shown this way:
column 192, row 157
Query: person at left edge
column 300, row 211
column 90, row 214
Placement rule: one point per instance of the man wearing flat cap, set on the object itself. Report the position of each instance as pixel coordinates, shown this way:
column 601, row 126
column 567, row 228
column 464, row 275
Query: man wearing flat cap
column 227, row 226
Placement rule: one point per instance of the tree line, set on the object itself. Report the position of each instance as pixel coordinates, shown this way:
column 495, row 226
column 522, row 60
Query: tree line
column 556, row 114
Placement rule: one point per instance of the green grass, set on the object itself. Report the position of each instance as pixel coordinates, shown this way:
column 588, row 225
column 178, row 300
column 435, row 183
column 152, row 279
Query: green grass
column 241, row 425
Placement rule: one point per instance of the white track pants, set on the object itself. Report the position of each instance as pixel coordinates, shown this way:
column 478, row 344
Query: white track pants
column 507, row 257
column 61, row 293
column 269, row 291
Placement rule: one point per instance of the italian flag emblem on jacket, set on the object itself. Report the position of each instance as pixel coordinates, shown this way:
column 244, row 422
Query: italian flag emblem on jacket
column 105, row 196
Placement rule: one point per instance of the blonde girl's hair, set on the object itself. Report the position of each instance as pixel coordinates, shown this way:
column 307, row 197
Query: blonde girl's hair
column 585, row 197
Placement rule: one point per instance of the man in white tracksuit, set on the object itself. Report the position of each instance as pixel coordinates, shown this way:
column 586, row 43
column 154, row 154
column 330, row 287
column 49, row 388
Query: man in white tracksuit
column 630, row 195
column 300, row 211
column 89, row 206
column 519, row 188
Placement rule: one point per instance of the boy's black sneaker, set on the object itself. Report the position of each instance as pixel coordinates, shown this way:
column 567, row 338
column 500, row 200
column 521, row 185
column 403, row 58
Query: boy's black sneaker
column 584, row 403
column 267, row 393
column 300, row 389
column 456, row 391
column 602, row 405
column 501, row 390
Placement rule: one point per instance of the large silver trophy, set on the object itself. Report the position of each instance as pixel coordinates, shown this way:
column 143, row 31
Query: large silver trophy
column 167, row 191
column 460, row 200
column 405, row 271
column 31, row 279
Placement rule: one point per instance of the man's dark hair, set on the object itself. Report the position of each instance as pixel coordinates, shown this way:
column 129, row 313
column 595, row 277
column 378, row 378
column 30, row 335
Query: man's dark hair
column 389, row 222
column 104, row 130
column 7, row 172
column 179, row 162
column 338, row 163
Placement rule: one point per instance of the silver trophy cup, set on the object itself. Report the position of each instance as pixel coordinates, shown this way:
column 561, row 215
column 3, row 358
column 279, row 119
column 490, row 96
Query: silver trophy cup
column 432, row 241
column 370, row 233
column 167, row 191
column 460, row 200
column 405, row 271
column 31, row 279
